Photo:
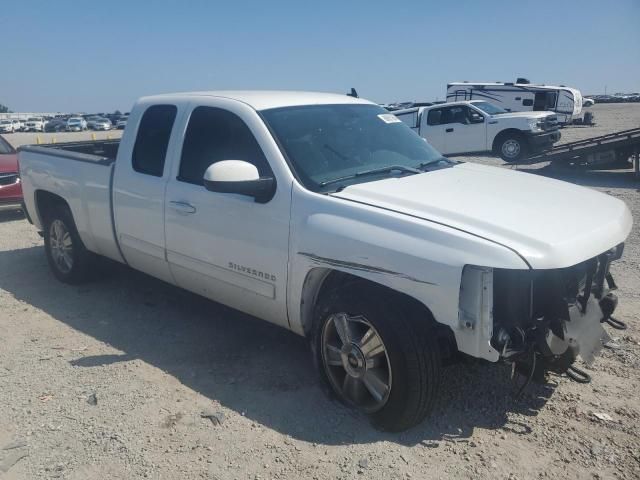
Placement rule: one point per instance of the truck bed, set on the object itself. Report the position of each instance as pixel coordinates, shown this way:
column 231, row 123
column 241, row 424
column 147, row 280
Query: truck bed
column 81, row 173
column 101, row 151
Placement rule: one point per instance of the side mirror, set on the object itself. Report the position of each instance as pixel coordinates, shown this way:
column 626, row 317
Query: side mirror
column 476, row 118
column 240, row 177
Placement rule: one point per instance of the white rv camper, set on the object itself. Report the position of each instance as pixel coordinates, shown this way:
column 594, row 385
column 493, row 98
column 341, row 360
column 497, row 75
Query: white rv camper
column 521, row 96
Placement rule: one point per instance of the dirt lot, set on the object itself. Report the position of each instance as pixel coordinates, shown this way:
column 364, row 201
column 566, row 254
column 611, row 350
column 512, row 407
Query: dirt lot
column 110, row 380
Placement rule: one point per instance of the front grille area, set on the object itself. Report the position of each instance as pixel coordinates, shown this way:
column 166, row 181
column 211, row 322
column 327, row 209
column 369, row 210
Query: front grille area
column 526, row 300
column 550, row 123
column 8, row 178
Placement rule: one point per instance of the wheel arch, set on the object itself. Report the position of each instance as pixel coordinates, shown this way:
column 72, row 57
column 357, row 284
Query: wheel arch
column 502, row 135
column 46, row 202
column 320, row 281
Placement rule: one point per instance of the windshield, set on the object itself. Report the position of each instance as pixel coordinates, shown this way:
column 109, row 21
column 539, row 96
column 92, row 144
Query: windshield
column 4, row 122
column 489, row 108
column 74, row 120
column 34, row 120
column 330, row 146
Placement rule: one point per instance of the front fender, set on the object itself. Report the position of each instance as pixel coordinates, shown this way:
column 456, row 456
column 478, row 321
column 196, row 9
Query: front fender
column 421, row 259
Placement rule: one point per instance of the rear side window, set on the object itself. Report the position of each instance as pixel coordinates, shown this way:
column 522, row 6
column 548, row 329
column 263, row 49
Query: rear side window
column 213, row 135
column 152, row 141
column 435, row 117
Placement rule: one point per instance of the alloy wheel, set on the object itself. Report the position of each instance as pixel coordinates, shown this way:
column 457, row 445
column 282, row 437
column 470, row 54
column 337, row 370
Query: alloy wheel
column 356, row 361
column 61, row 246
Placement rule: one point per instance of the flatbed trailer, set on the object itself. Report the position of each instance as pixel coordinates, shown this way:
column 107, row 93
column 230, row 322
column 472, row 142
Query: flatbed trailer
column 593, row 152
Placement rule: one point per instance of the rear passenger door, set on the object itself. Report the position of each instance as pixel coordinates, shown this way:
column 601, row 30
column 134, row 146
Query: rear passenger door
column 139, row 188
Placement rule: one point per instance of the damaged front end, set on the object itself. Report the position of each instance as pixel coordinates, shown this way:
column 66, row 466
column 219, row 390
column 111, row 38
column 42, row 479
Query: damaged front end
column 544, row 319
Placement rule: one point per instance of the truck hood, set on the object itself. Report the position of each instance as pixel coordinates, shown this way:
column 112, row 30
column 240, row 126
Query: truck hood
column 549, row 223
column 531, row 115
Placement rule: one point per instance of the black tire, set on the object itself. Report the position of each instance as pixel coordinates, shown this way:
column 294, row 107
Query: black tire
column 409, row 343
column 511, row 147
column 81, row 259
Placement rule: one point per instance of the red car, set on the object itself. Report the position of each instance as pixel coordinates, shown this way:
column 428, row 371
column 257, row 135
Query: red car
column 10, row 188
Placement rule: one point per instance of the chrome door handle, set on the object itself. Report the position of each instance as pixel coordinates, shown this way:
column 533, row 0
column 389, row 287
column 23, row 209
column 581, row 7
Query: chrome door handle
column 182, row 207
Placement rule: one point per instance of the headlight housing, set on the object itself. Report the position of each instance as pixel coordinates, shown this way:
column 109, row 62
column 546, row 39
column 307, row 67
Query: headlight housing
column 536, row 125
column 475, row 311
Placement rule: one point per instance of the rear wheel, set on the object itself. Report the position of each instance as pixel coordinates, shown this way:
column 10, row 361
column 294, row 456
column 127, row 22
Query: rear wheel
column 67, row 256
column 377, row 355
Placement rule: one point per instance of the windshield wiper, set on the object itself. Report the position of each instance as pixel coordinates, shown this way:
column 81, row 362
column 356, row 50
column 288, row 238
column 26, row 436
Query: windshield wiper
column 374, row 171
column 424, row 165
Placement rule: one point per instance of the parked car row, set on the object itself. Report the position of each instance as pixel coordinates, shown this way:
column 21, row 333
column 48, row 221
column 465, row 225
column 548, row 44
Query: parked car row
column 67, row 123
column 32, row 124
column 617, row 98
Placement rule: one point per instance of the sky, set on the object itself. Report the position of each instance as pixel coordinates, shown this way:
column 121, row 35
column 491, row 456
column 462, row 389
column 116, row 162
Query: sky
column 68, row 55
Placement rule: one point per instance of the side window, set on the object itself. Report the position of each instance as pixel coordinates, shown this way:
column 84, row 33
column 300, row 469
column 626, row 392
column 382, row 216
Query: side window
column 474, row 116
column 458, row 114
column 150, row 149
column 442, row 116
column 213, row 135
column 527, row 102
column 435, row 117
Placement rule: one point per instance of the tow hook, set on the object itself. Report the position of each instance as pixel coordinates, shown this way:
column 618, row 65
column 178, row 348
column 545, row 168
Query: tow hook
column 577, row 375
column 615, row 323
column 608, row 304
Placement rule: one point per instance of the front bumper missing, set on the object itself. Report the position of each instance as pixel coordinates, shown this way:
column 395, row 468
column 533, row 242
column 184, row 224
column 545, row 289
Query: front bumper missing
column 544, row 320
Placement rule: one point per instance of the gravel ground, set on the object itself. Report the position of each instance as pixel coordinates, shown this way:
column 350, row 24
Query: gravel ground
column 128, row 377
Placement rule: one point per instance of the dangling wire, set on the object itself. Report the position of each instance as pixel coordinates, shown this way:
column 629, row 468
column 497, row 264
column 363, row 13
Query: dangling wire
column 530, row 377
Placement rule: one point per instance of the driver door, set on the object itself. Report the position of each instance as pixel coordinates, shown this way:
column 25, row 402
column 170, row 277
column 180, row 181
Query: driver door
column 226, row 246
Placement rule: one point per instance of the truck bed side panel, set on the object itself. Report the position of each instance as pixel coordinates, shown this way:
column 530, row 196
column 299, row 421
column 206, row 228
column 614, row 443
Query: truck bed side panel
column 84, row 183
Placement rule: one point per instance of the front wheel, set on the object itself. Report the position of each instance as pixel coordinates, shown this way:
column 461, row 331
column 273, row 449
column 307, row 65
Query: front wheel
column 512, row 148
column 68, row 258
column 377, row 355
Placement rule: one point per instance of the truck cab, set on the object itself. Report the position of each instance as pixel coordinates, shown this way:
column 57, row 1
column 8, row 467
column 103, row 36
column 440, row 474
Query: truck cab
column 456, row 128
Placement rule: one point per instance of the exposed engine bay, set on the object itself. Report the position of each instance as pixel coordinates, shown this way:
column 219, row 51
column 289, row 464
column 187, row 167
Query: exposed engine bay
column 544, row 319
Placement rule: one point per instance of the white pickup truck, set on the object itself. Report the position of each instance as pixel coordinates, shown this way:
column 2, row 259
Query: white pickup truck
column 478, row 126
column 326, row 215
